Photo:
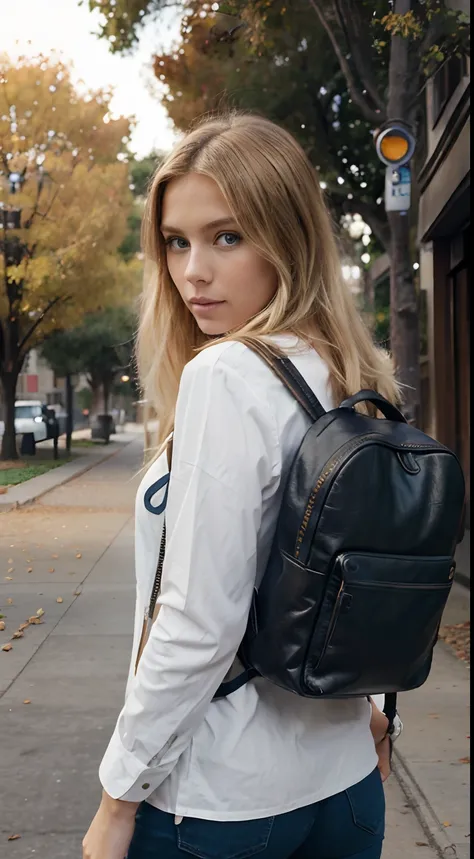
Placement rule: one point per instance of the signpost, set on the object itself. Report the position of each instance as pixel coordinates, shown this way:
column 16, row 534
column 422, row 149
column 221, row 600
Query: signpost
column 397, row 189
column 395, row 145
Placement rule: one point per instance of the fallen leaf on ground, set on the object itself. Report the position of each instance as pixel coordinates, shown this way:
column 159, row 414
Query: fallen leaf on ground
column 78, row 592
column 29, row 570
column 9, row 601
column 8, row 579
column 10, row 561
column 446, row 823
column 11, row 570
column 18, row 634
column 466, row 760
column 55, row 556
column 34, row 620
column 422, row 844
column 2, row 625
column 79, row 555
column 51, row 570
column 458, row 638
column 7, row 647
column 14, row 837
column 40, row 612
column 24, row 625
column 27, row 701
column 59, row 599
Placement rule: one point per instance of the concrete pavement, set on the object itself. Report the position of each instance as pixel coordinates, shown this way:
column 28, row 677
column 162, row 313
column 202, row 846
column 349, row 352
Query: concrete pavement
column 76, row 544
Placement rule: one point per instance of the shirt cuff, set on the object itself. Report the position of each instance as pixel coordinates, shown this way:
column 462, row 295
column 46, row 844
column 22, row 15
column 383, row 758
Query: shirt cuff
column 124, row 776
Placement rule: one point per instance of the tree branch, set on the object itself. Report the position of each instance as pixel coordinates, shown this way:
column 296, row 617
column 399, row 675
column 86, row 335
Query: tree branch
column 359, row 48
column 38, row 321
column 373, row 116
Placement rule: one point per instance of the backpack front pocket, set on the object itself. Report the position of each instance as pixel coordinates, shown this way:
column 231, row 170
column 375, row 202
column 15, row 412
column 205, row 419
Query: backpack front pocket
column 380, row 624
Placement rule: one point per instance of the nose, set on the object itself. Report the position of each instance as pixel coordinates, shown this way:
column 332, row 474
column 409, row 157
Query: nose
column 198, row 268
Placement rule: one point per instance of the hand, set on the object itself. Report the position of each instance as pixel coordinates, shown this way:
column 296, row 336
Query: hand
column 383, row 751
column 378, row 724
column 111, row 830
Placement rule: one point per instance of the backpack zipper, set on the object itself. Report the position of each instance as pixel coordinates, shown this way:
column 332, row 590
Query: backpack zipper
column 345, row 451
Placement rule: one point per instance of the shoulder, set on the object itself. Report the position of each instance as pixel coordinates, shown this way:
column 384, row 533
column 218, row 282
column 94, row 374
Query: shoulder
column 230, row 365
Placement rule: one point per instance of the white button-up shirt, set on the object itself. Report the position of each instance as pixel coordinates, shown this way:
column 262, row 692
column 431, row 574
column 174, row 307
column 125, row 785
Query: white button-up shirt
column 262, row 751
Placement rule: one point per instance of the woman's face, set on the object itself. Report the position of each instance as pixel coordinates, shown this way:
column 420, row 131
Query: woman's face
column 222, row 280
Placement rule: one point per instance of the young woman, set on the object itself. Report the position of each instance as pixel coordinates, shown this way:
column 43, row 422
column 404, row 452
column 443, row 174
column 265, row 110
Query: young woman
column 242, row 245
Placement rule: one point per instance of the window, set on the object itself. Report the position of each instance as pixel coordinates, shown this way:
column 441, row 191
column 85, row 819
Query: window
column 445, row 82
column 27, row 412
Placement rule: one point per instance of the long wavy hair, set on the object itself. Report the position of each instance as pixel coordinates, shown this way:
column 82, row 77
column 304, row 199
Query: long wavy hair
column 274, row 194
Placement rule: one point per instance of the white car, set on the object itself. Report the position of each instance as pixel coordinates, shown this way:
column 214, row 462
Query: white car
column 33, row 416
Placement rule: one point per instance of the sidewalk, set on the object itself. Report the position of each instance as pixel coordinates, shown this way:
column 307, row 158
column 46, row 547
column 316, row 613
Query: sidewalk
column 84, row 459
column 77, row 542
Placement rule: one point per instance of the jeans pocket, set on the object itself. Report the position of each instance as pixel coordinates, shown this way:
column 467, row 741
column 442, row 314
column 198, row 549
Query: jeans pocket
column 210, row 839
column 367, row 802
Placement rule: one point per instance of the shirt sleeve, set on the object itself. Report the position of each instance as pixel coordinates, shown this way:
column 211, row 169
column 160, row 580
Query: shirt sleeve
column 225, row 461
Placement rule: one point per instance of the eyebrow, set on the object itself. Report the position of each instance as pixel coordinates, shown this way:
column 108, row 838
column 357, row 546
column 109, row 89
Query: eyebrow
column 221, row 222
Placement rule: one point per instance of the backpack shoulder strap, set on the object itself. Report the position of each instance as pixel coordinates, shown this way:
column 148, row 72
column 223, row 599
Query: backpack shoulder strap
column 289, row 375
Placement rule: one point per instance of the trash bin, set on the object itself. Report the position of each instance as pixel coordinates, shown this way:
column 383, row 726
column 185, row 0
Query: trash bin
column 102, row 427
column 28, row 446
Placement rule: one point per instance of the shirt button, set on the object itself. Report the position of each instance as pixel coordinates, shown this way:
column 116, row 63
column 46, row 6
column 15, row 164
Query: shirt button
column 145, row 786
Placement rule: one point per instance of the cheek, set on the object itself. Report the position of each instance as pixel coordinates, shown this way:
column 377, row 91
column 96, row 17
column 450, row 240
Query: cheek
column 176, row 271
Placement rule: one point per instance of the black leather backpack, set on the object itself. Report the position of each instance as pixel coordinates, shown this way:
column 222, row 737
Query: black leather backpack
column 362, row 562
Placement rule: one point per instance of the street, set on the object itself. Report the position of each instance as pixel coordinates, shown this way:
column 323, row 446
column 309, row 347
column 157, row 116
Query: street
column 71, row 555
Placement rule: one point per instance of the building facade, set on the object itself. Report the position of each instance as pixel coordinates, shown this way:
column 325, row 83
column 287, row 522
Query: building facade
column 443, row 227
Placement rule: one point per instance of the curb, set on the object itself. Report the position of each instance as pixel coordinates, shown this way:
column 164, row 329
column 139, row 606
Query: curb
column 435, row 833
column 81, row 468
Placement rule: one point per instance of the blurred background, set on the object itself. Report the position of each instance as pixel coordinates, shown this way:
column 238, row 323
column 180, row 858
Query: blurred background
column 93, row 94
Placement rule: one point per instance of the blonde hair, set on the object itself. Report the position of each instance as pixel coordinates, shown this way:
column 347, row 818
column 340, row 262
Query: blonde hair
column 273, row 192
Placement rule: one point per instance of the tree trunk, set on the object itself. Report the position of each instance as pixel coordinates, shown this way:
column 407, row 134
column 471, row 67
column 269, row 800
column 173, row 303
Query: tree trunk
column 69, row 411
column 95, row 388
column 106, row 392
column 9, row 382
column 404, row 322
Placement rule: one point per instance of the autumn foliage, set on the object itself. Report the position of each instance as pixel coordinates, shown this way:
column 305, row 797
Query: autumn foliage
column 64, row 201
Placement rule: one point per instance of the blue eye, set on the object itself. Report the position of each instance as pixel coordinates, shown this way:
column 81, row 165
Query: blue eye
column 176, row 243
column 230, row 239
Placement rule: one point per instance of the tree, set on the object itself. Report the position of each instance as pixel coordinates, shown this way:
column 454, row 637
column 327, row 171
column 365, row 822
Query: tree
column 383, row 56
column 64, row 199
column 101, row 347
column 141, row 172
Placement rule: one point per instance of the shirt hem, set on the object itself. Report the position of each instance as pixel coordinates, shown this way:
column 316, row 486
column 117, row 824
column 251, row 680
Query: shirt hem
column 253, row 814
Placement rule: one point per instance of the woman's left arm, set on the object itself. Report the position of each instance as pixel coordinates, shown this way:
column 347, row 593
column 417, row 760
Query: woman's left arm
column 225, row 457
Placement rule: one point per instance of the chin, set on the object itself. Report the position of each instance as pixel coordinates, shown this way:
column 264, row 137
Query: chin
column 212, row 328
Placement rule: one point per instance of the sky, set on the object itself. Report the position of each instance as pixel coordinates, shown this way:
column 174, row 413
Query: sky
column 30, row 27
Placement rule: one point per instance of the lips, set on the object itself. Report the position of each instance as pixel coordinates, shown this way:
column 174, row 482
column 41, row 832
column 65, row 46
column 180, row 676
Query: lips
column 204, row 302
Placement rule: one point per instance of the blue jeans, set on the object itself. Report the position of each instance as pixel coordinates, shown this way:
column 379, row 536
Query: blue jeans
column 350, row 824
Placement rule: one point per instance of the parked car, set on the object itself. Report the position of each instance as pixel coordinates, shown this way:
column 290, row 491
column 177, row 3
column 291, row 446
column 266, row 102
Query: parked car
column 33, row 416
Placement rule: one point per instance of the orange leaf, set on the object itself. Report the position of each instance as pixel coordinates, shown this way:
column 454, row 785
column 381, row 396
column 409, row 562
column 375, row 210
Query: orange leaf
column 2, row 625
column 446, row 823
column 78, row 555
column 59, row 599
column 18, row 634
column 14, row 837
column 27, row 701
column 466, row 760
column 51, row 570
column 7, row 647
